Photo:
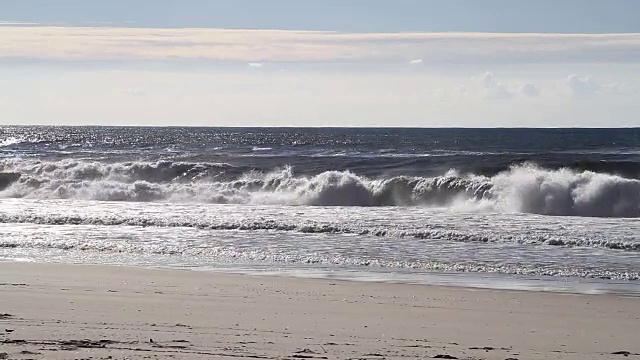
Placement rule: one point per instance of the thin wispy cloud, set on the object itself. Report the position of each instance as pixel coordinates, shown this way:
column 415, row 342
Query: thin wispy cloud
column 15, row 23
column 113, row 43
column 134, row 91
column 28, row 24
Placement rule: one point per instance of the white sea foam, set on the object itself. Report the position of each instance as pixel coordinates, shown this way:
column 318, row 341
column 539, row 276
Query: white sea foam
column 566, row 192
column 523, row 188
column 10, row 141
column 416, row 238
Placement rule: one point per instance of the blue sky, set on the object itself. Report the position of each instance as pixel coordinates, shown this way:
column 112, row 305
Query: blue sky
column 563, row 16
column 422, row 63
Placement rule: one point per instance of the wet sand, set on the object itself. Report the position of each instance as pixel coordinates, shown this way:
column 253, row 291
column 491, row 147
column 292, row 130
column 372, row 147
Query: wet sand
column 99, row 312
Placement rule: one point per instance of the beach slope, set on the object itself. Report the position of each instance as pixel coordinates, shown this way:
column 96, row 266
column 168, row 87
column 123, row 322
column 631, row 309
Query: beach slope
column 52, row 311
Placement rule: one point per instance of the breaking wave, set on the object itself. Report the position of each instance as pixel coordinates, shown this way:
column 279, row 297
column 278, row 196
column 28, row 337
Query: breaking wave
column 523, row 188
column 425, row 232
column 10, row 141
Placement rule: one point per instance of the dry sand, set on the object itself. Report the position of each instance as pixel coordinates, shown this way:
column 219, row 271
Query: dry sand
column 100, row 312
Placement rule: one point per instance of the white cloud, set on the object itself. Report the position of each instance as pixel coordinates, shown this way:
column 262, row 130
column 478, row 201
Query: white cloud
column 489, row 88
column 113, row 43
column 530, row 90
column 587, row 86
column 462, row 92
column 582, row 86
column 494, row 89
column 416, row 62
column 487, row 79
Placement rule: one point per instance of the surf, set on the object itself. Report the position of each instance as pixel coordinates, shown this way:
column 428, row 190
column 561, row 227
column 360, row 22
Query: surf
column 526, row 188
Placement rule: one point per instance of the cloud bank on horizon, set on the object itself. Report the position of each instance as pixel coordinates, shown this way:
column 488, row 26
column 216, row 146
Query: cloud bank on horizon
column 109, row 73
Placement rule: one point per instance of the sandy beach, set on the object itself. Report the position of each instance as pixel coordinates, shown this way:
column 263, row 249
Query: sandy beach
column 98, row 312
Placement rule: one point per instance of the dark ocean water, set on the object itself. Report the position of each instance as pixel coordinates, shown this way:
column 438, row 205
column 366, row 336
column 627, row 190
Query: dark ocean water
column 531, row 202
column 370, row 152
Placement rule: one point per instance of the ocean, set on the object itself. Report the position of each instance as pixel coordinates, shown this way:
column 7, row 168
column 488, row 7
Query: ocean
column 527, row 209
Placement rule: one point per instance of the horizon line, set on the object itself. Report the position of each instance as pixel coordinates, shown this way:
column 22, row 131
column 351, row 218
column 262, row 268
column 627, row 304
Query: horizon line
column 331, row 127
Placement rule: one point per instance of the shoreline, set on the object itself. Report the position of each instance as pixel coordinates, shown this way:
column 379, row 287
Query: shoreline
column 460, row 280
column 60, row 311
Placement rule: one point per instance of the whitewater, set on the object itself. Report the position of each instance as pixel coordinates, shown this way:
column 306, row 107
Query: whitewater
column 551, row 209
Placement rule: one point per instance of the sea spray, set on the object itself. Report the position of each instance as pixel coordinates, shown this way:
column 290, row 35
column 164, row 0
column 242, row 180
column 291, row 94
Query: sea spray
column 522, row 188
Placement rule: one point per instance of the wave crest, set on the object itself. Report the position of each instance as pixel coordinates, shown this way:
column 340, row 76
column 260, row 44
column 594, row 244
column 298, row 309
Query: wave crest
column 522, row 188
column 566, row 192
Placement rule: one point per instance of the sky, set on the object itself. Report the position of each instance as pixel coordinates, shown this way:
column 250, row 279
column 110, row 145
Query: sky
column 409, row 63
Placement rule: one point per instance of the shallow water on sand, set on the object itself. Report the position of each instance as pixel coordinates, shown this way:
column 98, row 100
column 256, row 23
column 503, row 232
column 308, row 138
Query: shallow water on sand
column 387, row 243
